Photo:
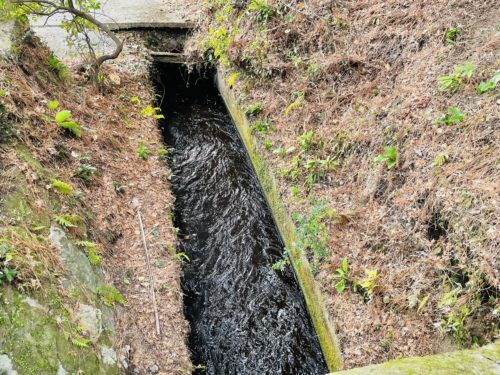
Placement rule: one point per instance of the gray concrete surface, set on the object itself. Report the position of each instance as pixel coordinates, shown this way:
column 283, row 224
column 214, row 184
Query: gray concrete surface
column 118, row 15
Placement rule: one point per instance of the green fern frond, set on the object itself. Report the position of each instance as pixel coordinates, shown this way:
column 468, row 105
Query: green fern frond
column 67, row 220
column 61, row 187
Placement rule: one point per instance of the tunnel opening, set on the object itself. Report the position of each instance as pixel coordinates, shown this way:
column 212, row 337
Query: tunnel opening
column 245, row 316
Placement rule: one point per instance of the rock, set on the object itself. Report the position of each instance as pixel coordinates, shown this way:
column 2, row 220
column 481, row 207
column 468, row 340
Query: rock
column 91, row 319
column 153, row 369
column 61, row 370
column 6, row 367
column 108, row 356
column 124, row 356
column 74, row 260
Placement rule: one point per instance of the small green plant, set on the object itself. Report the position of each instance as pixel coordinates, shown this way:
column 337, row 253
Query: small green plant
column 254, row 109
column 268, row 144
column 162, row 152
column 232, row 79
column 67, row 220
column 306, row 140
column 453, row 117
column 262, row 126
column 299, row 98
column 93, row 254
column 342, row 275
column 110, row 295
column 453, row 82
column 53, row 105
column 489, row 85
column 389, row 157
column 280, row 151
column 63, row 119
column 180, row 257
column 61, row 187
column 451, row 35
column 369, row 283
column 7, row 272
column 262, row 9
column 56, row 66
column 312, row 231
column 86, row 171
column 143, row 152
column 149, row 111
column 440, row 159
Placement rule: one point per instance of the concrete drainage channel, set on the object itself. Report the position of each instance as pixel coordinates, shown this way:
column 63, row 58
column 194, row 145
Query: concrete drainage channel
column 317, row 328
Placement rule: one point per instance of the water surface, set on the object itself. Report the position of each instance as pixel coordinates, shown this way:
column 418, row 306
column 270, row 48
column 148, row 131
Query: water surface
column 245, row 317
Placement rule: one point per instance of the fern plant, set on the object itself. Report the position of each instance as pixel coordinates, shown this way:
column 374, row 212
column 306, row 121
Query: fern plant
column 110, row 295
column 93, row 254
column 143, row 152
column 61, row 187
column 67, row 220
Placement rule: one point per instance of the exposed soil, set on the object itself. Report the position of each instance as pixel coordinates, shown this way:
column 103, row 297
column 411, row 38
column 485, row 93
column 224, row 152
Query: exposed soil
column 364, row 76
column 112, row 129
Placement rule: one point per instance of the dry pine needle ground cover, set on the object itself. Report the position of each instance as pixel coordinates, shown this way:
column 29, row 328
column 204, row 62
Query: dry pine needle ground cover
column 330, row 85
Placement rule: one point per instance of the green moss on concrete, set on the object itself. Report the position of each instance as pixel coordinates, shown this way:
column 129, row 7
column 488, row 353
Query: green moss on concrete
column 319, row 316
column 482, row 361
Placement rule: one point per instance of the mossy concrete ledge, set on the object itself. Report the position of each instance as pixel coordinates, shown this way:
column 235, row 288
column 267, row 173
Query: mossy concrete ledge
column 482, row 361
column 319, row 316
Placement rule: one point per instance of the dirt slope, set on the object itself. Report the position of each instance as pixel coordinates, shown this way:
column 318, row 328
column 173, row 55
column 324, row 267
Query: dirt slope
column 329, row 85
column 116, row 164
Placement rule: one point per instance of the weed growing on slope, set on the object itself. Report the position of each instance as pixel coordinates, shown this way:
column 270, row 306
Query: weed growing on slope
column 7, row 271
column 61, row 187
column 453, row 117
column 489, row 85
column 368, row 283
column 110, row 295
column 455, row 81
column 312, row 231
column 389, row 157
column 143, row 152
column 451, row 35
column 342, row 275
column 63, row 119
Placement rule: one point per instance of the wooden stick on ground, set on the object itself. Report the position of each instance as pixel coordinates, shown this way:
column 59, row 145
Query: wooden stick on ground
column 150, row 273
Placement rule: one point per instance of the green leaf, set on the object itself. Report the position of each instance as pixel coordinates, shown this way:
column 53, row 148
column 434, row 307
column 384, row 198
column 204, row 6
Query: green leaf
column 340, row 286
column 453, row 117
column 62, row 116
column 53, row 104
column 231, row 81
column 72, row 126
column 86, row 244
column 344, row 264
column 488, row 85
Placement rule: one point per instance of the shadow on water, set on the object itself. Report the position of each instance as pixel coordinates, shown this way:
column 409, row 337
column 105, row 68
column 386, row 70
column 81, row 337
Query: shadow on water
column 245, row 317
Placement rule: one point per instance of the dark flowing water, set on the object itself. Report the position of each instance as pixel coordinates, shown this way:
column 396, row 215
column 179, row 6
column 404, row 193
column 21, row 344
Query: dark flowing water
column 246, row 318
